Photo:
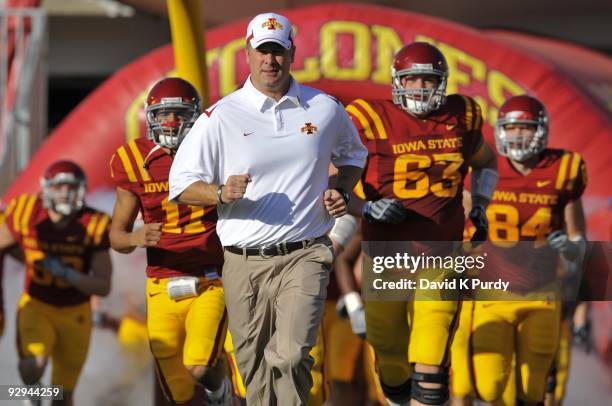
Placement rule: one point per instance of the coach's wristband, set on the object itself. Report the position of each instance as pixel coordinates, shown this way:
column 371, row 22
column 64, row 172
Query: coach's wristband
column 219, row 191
column 345, row 195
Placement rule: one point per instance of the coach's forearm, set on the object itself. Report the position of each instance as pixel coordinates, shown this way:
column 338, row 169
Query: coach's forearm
column 199, row 194
column 348, row 177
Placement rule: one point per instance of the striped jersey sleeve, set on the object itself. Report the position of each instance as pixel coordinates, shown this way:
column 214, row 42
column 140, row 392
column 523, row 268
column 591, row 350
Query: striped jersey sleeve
column 572, row 175
column 127, row 167
column 367, row 120
column 18, row 215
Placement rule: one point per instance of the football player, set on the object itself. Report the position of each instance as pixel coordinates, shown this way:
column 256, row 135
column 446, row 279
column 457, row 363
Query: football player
column 352, row 360
column 575, row 329
column 420, row 146
column 549, row 213
column 2, row 322
column 186, row 318
column 65, row 244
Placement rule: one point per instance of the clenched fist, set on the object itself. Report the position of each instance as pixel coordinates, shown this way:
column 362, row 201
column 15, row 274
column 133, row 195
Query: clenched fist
column 235, row 188
column 334, row 203
column 147, row 236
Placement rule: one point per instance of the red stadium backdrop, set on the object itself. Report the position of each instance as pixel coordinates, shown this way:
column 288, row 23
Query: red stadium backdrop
column 346, row 50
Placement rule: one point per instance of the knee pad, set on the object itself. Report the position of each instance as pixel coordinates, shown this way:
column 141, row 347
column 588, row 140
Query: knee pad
column 523, row 403
column 430, row 396
column 398, row 394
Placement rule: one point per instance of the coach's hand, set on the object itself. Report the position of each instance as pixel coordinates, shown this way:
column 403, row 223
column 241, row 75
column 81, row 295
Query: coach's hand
column 478, row 215
column 334, row 203
column 235, row 188
column 385, row 210
column 147, row 236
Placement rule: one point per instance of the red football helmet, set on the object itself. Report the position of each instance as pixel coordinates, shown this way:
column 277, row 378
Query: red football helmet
column 419, row 58
column 521, row 110
column 64, row 200
column 171, row 95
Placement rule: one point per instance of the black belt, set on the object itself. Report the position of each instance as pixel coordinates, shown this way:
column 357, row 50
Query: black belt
column 282, row 248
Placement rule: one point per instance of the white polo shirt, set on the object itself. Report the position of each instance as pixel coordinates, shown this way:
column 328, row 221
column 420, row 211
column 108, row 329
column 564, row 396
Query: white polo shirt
column 285, row 146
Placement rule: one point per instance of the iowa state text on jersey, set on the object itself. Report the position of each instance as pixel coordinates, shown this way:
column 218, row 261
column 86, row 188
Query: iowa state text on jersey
column 421, row 162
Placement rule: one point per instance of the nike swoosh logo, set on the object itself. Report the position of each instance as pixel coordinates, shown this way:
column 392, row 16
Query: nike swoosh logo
column 450, row 126
column 154, row 294
column 542, row 183
column 247, row 134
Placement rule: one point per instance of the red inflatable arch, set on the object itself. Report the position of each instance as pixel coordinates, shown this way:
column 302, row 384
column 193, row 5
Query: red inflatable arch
column 346, row 50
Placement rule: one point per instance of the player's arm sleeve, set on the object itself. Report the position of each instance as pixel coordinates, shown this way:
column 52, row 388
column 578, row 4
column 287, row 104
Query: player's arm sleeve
column 349, row 150
column 119, row 173
column 472, row 117
column 13, row 220
column 361, row 121
column 101, row 240
column 577, row 177
column 197, row 158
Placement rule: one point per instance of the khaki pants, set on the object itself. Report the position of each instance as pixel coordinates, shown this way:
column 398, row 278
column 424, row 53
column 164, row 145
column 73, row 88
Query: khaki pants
column 275, row 307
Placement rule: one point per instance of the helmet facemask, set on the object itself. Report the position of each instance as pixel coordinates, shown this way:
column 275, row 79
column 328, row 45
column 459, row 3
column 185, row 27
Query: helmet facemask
column 520, row 147
column 67, row 200
column 170, row 134
column 419, row 101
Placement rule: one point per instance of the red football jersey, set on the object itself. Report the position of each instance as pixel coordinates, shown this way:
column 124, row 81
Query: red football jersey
column 528, row 208
column 189, row 242
column 29, row 223
column 421, row 162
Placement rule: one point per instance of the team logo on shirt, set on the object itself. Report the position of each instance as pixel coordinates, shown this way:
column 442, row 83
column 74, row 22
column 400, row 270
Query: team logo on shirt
column 309, row 128
column 272, row 24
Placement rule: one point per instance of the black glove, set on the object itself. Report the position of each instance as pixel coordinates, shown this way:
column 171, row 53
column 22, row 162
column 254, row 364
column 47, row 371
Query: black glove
column 385, row 210
column 582, row 336
column 478, row 215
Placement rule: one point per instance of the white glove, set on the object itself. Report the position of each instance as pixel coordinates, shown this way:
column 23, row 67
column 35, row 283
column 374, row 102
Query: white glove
column 558, row 240
column 385, row 210
column 351, row 305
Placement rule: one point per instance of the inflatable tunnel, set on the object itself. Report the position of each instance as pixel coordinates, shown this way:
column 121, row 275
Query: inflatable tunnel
column 346, row 50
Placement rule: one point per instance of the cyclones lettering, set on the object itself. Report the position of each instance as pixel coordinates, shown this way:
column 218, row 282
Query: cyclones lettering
column 372, row 53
